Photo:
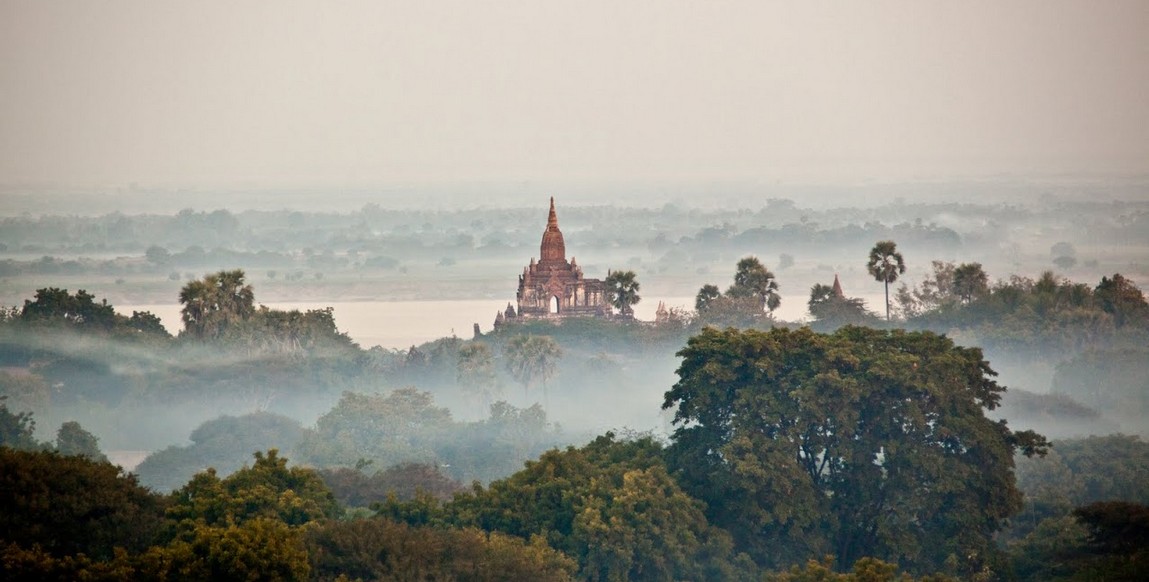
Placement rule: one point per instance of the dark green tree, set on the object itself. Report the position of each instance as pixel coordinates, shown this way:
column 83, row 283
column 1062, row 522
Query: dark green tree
column 622, row 291
column 753, row 279
column 1121, row 298
column 611, row 505
column 71, row 505
column 970, row 282
column 17, row 429
column 53, row 305
column 706, row 295
column 266, row 490
column 148, row 323
column 886, row 264
column 73, row 440
column 859, row 443
column 256, row 549
column 382, row 549
column 214, row 303
column 1117, row 543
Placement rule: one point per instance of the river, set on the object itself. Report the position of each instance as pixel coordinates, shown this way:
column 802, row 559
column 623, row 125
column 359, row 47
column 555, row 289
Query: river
column 401, row 324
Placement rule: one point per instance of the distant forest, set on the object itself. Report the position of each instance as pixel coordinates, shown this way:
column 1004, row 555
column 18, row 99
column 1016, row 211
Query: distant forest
column 471, row 253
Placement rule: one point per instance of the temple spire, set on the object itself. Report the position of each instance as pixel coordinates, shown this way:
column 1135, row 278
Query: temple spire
column 552, row 251
column 837, row 287
column 553, row 219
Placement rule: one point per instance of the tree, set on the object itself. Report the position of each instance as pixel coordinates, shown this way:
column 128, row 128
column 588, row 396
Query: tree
column 475, row 369
column 71, row 505
column 970, row 282
column 613, row 507
column 405, row 481
column 382, row 549
column 753, row 279
column 258, row 549
column 622, row 291
column 214, row 303
column 885, row 264
column 157, row 255
column 531, row 359
column 706, row 295
column 864, row 570
column 266, row 490
column 401, row 426
column 17, row 430
column 858, row 443
column 224, row 443
column 73, row 440
column 291, row 333
column 57, row 305
column 833, row 310
column 1118, row 539
column 1121, row 298
column 148, row 323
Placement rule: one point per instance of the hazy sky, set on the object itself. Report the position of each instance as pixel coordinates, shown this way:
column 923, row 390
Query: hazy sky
column 283, row 93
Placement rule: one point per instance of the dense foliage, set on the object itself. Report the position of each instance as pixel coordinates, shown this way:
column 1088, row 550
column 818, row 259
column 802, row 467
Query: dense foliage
column 860, row 443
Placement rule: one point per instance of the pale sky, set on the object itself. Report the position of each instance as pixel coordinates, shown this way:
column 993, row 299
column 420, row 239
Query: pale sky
column 278, row 93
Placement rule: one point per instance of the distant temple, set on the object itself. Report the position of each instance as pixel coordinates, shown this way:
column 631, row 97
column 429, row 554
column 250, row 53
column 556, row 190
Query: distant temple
column 553, row 286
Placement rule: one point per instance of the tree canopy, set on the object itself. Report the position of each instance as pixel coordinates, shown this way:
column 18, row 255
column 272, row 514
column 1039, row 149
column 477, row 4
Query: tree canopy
column 858, row 443
column 216, row 302
column 753, row 279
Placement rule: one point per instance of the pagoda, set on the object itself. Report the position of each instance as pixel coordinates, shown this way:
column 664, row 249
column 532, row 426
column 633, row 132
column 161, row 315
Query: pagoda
column 553, row 287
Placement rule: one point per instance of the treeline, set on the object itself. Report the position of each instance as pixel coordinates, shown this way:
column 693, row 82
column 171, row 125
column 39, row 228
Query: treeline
column 377, row 239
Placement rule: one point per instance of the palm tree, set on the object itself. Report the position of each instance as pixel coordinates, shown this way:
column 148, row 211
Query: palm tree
column 622, row 291
column 705, row 295
column 475, row 370
column 532, row 359
column 753, row 279
column 197, row 299
column 885, row 264
column 216, row 302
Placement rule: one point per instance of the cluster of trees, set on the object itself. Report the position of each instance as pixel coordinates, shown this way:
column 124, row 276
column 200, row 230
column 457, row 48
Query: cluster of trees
column 366, row 432
column 748, row 302
column 1087, row 511
column 18, row 431
column 614, row 509
column 264, row 522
